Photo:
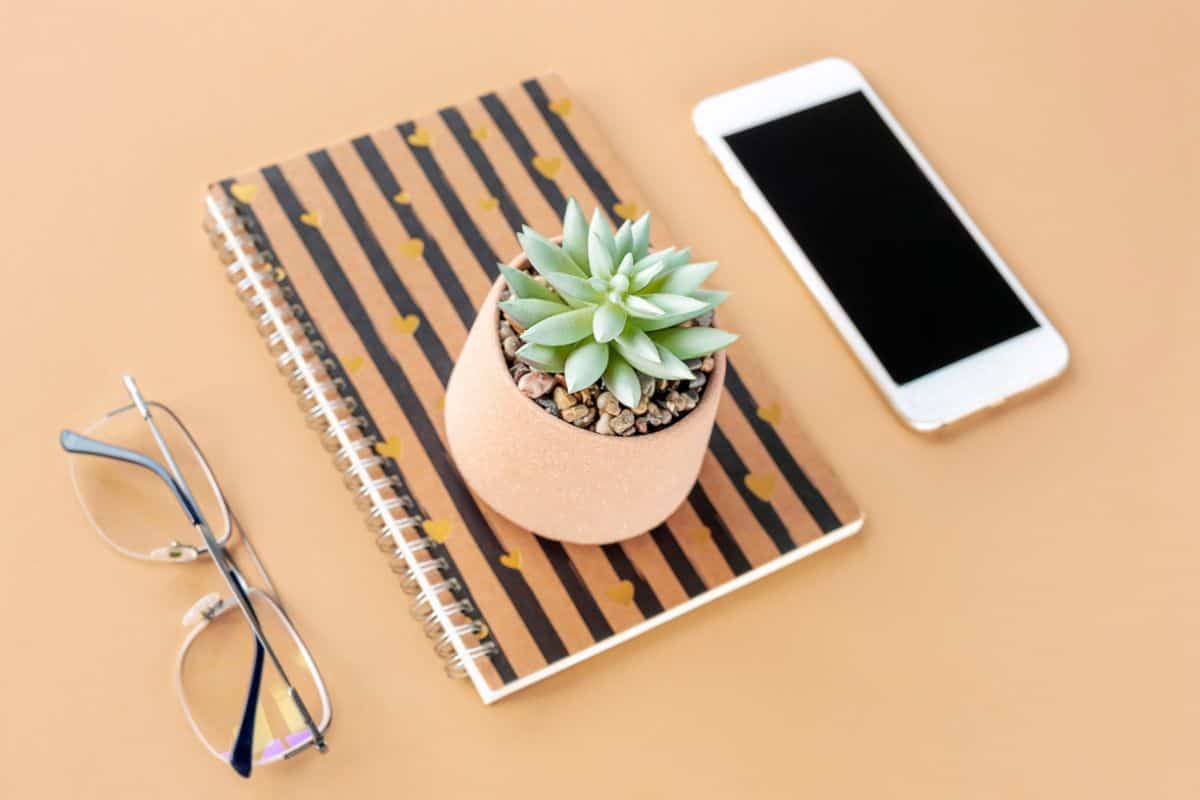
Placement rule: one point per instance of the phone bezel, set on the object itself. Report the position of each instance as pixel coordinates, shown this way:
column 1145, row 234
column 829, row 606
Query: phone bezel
column 981, row 380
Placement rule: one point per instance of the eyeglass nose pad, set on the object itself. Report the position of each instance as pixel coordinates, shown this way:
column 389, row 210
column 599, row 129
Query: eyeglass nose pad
column 175, row 552
column 204, row 608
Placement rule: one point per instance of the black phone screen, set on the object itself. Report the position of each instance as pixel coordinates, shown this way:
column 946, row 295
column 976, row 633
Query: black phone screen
column 900, row 262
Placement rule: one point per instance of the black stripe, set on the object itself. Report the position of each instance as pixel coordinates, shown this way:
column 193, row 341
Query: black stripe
column 643, row 596
column 721, row 536
column 425, row 335
column 812, row 498
column 593, row 617
column 336, row 372
column 514, row 584
column 524, row 151
column 764, row 512
column 677, row 560
column 433, row 255
column 583, row 165
column 478, row 245
column 483, row 166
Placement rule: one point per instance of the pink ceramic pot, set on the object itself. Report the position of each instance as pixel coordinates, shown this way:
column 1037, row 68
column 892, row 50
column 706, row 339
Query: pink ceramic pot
column 555, row 479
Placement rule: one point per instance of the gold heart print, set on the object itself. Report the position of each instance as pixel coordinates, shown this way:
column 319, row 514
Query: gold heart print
column 489, row 203
column 437, row 529
column 311, row 218
column 625, row 210
column 406, row 323
column 548, row 166
column 771, row 413
column 479, row 134
column 401, row 198
column 561, row 106
column 243, row 192
column 621, row 592
column 389, row 448
column 353, row 364
column 761, row 484
column 512, row 560
column 419, row 138
column 700, row 535
column 413, row 248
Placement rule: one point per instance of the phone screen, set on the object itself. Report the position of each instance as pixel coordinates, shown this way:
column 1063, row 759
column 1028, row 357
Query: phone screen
column 900, row 262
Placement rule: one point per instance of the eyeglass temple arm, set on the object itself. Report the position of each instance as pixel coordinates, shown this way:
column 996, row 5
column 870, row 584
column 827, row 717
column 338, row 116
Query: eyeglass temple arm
column 74, row 442
column 241, row 755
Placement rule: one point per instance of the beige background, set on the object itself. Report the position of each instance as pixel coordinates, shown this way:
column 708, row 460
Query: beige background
column 1020, row 617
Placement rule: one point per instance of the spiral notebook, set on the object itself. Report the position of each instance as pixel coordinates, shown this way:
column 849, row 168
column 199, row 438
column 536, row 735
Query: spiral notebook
column 363, row 264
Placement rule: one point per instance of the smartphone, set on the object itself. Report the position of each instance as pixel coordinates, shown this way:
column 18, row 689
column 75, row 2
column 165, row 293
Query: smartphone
column 926, row 303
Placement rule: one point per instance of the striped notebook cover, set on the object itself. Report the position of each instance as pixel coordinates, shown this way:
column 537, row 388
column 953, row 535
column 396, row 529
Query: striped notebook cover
column 364, row 263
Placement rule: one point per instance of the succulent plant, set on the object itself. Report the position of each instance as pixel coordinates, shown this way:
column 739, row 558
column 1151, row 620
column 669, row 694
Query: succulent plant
column 609, row 308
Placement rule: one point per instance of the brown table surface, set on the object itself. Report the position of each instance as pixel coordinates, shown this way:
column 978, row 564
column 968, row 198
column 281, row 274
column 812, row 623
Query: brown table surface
column 1021, row 616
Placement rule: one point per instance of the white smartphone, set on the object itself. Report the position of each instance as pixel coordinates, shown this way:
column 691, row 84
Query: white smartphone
column 925, row 302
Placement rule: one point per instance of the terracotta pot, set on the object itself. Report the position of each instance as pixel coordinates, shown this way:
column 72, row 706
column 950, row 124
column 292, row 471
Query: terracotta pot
column 557, row 480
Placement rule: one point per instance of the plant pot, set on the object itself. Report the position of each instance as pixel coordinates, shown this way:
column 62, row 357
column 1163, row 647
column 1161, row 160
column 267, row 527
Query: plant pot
column 557, row 480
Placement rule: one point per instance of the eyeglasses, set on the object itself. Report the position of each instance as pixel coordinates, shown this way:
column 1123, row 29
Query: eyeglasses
column 134, row 502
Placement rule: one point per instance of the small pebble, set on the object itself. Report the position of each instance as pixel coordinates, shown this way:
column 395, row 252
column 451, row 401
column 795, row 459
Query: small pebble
column 562, row 398
column 658, row 416
column 693, row 363
column 708, row 364
column 705, row 320
column 608, row 404
column 535, row 384
column 675, row 403
column 642, row 405
column 642, row 424
column 662, row 384
column 623, row 423
column 647, row 385
column 511, row 345
column 604, row 425
column 698, row 381
column 505, row 330
column 580, row 415
column 519, row 369
column 693, row 398
column 547, row 404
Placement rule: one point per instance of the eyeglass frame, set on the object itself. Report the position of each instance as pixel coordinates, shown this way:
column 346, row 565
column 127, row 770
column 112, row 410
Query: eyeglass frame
column 241, row 754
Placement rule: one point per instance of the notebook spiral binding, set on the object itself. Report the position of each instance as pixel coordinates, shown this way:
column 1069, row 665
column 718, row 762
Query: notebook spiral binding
column 439, row 602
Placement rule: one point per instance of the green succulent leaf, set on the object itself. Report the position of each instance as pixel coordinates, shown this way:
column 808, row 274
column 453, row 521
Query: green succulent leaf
column 642, row 279
column 693, row 342
column 547, row 359
column 585, row 365
column 566, row 328
column 676, row 303
column 572, row 287
column 622, row 380
column 608, row 322
column 634, row 343
column 686, row 279
column 624, row 240
column 669, row 367
column 530, row 310
column 547, row 258
column 603, row 231
column 712, row 297
column 600, row 258
column 523, row 285
column 641, row 237
column 575, row 234
column 652, row 258
column 642, row 308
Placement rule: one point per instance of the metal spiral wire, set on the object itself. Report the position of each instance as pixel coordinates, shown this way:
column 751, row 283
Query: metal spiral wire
column 389, row 512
